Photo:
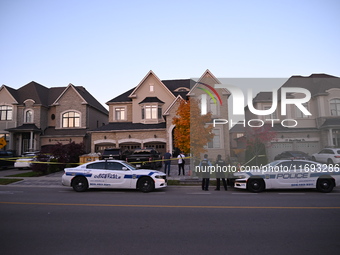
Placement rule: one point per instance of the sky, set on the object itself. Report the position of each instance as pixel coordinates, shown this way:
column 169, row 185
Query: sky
column 109, row 46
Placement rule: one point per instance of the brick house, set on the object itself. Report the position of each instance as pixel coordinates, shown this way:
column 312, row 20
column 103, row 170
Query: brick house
column 35, row 116
column 311, row 133
column 142, row 116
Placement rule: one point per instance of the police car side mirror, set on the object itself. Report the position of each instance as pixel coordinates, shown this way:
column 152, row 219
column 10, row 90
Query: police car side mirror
column 124, row 168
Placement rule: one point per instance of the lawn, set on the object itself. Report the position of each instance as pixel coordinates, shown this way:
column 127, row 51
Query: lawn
column 6, row 181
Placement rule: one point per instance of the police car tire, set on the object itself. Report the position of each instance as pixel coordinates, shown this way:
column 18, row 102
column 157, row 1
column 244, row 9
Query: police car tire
column 80, row 184
column 255, row 185
column 145, row 184
column 325, row 185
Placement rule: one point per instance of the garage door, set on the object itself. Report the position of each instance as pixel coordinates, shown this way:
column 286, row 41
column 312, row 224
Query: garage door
column 308, row 147
column 277, row 148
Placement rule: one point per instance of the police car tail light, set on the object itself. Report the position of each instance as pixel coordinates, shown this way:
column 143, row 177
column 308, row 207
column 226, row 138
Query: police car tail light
column 336, row 156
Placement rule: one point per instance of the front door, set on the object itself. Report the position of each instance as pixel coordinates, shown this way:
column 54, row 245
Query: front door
column 116, row 173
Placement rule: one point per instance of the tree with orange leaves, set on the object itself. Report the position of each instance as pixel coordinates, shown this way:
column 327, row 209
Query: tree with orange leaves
column 257, row 140
column 192, row 130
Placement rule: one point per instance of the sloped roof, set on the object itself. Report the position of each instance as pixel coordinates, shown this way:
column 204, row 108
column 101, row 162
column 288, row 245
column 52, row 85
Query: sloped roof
column 47, row 96
column 25, row 127
column 237, row 128
column 122, row 97
column 90, row 99
column 331, row 122
column 151, row 100
column 34, row 91
column 176, row 87
column 316, row 83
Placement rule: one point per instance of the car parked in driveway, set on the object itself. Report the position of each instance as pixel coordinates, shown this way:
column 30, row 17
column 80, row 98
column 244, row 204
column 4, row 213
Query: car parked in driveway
column 25, row 161
column 292, row 155
column 327, row 155
column 113, row 174
column 6, row 159
column 288, row 174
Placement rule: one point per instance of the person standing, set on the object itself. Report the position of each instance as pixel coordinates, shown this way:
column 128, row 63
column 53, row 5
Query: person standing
column 220, row 163
column 181, row 163
column 167, row 162
column 204, row 166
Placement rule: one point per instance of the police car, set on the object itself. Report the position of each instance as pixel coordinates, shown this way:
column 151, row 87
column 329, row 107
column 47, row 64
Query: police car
column 288, row 174
column 112, row 174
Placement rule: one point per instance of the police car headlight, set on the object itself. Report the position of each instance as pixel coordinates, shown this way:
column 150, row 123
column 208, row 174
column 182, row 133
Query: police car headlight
column 159, row 176
column 240, row 176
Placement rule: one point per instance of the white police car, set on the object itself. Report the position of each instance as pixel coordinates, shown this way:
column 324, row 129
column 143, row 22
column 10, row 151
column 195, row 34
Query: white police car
column 112, row 174
column 288, row 174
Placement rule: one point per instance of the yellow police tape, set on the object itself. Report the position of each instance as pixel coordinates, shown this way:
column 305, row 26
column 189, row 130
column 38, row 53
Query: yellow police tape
column 59, row 163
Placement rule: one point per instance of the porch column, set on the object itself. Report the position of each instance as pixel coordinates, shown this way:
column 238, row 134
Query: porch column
column 20, row 145
column 330, row 137
column 31, row 141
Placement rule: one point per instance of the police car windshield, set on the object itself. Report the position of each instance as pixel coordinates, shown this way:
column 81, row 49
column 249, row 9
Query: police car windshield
column 132, row 167
column 274, row 163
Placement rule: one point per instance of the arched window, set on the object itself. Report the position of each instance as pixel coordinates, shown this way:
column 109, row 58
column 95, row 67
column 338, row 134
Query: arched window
column 335, row 107
column 29, row 116
column 71, row 119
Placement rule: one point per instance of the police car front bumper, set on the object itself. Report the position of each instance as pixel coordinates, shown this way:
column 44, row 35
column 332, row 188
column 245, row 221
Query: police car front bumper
column 240, row 183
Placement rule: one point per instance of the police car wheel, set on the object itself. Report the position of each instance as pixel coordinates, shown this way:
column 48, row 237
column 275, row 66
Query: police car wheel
column 80, row 184
column 325, row 185
column 255, row 185
column 145, row 184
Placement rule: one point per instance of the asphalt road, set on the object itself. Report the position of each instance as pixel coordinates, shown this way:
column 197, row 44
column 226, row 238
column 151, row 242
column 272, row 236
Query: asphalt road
column 176, row 220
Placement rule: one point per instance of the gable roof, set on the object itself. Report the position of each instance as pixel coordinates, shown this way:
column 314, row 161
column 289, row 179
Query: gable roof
column 48, row 96
column 70, row 86
column 207, row 74
column 178, row 99
column 133, row 93
column 12, row 92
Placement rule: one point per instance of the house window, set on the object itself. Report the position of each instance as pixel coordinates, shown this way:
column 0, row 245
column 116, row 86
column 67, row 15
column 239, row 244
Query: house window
column 150, row 112
column 213, row 106
column 335, row 107
column 71, row 119
column 299, row 113
column 159, row 112
column 272, row 115
column 29, row 116
column 152, row 88
column 120, row 113
column 5, row 112
column 216, row 141
column 238, row 135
